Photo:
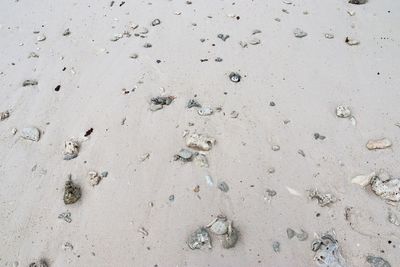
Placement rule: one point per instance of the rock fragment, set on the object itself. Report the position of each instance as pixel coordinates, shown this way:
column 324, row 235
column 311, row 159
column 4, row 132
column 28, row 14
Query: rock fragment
column 299, row 33
column 30, row 133
column 231, row 238
column 234, row 114
column 327, row 251
column 157, row 103
column 72, row 192
column 275, row 148
column 185, row 155
column 134, row 56
column 379, row 144
column 30, row 83
column 94, row 178
column 388, row 190
column 302, row 236
column 343, row 111
column 290, row 233
column 147, row 45
column 199, row 238
column 66, row 32
column 329, row 35
column 33, row 55
column 200, row 142
column 4, row 115
column 323, row 199
column 377, row 262
column 71, row 149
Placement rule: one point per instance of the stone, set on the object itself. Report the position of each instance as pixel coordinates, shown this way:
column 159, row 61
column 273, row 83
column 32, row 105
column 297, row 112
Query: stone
column 343, row 111
column 72, row 192
column 223, row 186
column 66, row 32
column 299, row 33
column 327, row 251
column 200, row 142
column 94, row 178
column 205, row 111
column 30, row 133
column 155, row 22
column 231, row 238
column 66, row 216
column 255, row 41
column 198, row 239
column 219, row 225
column 223, row 37
column 276, row 246
column 377, row 262
column 374, row 144
column 41, row 37
column 39, row 263
column 350, row 41
column 4, row 115
column 71, row 149
column 193, row 103
column 323, row 199
column 235, row 77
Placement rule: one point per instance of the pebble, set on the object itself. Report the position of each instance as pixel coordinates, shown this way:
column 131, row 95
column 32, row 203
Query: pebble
column 393, row 219
column 147, row 45
column 223, row 37
column 234, row 114
column 155, row 22
column 66, row 216
column 377, row 262
column 299, row 33
column 39, row 263
column 134, row 55
column 343, row 111
column 357, row 2
column 271, row 170
column 66, row 32
column 72, row 192
column 379, row 144
column 275, row 148
column 31, row 133
column 329, row 35
column 94, row 178
column 41, row 38
column 4, row 115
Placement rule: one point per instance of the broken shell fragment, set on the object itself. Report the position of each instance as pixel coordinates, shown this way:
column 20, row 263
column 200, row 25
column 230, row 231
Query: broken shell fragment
column 299, row 33
column 363, row 180
column 200, row 142
column 377, row 262
column 39, row 263
column 351, row 41
column 4, row 115
column 30, row 133
column 323, row 199
column 219, row 225
column 72, row 192
column 94, row 178
column 71, row 149
column 157, row 103
column 66, row 216
column 327, row 251
column 223, row 37
column 343, row 111
column 201, row 160
column 231, row 238
column 235, row 77
column 66, row 32
column 379, row 144
column 199, row 238
column 223, row 186
column 205, row 111
column 29, row 83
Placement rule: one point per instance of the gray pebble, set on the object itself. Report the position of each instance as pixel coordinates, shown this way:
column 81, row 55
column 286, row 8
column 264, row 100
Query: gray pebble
column 31, row 133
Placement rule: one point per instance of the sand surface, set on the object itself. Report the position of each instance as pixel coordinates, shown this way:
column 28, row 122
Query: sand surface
column 101, row 86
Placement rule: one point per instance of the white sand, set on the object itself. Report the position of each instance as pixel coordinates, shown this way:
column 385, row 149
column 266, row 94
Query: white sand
column 306, row 78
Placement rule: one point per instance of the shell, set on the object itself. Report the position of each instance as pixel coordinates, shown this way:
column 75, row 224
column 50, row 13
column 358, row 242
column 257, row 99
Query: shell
column 235, row 77
column 230, row 239
column 378, row 144
column 219, row 225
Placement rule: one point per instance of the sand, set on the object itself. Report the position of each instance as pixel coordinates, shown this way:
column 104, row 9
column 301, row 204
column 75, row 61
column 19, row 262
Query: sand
column 305, row 77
